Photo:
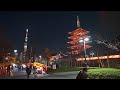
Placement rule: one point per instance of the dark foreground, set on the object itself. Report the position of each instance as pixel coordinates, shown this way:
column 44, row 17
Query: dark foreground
column 61, row 75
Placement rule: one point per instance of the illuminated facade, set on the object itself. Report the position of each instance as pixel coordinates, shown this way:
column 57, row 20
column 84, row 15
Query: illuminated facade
column 25, row 56
column 78, row 34
column 100, row 58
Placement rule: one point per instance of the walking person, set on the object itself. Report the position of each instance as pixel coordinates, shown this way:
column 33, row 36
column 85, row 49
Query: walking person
column 8, row 70
column 35, row 71
column 11, row 71
column 28, row 71
column 82, row 74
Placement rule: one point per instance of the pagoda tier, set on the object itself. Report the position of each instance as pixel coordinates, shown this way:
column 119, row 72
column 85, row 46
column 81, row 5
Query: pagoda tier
column 77, row 51
column 74, row 52
column 74, row 37
column 78, row 31
column 76, row 42
column 77, row 37
column 79, row 46
column 75, row 47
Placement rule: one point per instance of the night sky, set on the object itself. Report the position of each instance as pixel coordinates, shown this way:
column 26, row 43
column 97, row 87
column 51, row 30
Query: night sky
column 49, row 29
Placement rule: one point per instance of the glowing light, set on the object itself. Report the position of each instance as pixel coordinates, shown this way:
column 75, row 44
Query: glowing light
column 26, row 30
column 97, row 58
column 81, row 41
column 86, row 39
column 15, row 51
column 26, row 39
column 24, row 66
column 14, row 65
column 6, row 58
column 25, row 46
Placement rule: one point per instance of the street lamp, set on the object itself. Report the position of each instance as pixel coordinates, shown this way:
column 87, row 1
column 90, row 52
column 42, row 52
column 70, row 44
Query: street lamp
column 15, row 51
column 84, row 42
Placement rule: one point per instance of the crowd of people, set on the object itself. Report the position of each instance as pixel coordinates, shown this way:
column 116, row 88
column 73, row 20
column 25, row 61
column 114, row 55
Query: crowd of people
column 9, row 71
column 6, row 70
column 29, row 69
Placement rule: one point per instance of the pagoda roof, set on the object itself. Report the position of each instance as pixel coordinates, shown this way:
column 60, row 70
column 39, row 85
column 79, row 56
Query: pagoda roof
column 77, row 42
column 79, row 46
column 77, row 51
column 74, row 37
column 78, row 31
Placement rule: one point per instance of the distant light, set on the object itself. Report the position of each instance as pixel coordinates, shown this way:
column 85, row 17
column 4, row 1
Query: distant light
column 25, row 46
column 15, row 51
column 40, row 56
column 86, row 39
column 92, row 53
column 26, row 30
column 14, row 64
column 6, row 58
column 24, row 66
column 81, row 41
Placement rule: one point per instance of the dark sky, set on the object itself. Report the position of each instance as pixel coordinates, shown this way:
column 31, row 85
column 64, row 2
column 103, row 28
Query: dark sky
column 49, row 29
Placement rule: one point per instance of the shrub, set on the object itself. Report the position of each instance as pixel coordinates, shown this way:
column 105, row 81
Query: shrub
column 104, row 73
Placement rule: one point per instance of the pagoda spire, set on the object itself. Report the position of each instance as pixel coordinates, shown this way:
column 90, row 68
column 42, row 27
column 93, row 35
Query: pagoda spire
column 78, row 22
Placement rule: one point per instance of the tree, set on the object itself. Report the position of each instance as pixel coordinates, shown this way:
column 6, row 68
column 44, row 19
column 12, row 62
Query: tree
column 5, row 46
column 118, row 40
column 113, row 44
column 47, row 54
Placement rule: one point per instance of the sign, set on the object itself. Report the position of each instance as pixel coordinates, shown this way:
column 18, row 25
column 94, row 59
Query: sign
column 54, row 66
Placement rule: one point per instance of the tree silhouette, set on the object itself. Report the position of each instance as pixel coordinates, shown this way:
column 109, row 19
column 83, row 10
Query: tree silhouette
column 118, row 40
column 5, row 46
column 47, row 54
column 112, row 44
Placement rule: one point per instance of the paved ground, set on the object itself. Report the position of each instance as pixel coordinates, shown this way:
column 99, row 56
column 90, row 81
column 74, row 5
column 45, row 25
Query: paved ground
column 61, row 75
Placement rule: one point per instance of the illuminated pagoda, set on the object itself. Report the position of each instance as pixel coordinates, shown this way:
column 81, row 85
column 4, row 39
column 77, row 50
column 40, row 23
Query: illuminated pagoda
column 75, row 36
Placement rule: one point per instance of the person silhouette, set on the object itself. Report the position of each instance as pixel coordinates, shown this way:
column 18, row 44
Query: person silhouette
column 28, row 71
column 82, row 74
